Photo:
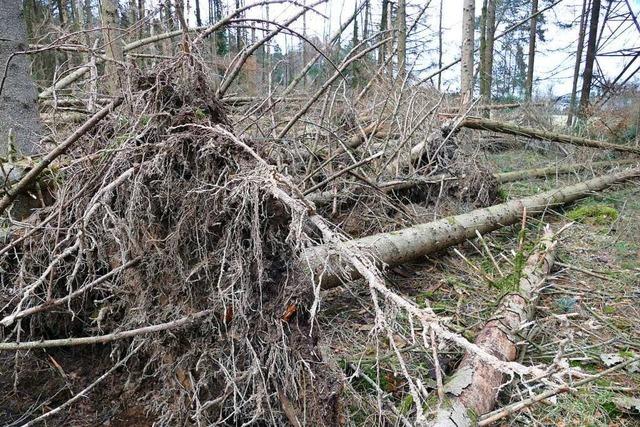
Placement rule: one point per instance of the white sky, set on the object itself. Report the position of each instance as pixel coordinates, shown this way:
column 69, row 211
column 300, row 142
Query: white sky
column 554, row 60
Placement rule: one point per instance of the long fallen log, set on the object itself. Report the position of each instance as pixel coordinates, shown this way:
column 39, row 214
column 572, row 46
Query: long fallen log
column 408, row 244
column 511, row 129
column 326, row 197
column 476, row 382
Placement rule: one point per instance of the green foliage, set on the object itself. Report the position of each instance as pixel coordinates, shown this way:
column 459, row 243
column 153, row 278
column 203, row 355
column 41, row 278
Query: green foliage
column 565, row 304
column 597, row 214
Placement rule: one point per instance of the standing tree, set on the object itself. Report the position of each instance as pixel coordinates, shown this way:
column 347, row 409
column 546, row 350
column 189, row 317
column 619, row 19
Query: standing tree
column 532, row 50
column 440, row 45
column 587, row 76
column 466, row 80
column 113, row 44
column 584, row 17
column 402, row 38
column 488, row 31
column 20, row 126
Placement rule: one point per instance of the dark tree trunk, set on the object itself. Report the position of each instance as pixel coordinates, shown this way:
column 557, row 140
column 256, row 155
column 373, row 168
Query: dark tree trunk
column 198, row 16
column 532, row 49
column 576, row 71
column 587, row 76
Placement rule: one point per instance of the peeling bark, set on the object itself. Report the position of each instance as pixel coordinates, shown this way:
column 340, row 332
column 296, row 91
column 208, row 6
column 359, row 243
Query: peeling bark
column 497, row 337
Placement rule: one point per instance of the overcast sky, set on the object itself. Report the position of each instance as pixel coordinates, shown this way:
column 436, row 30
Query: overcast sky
column 554, row 60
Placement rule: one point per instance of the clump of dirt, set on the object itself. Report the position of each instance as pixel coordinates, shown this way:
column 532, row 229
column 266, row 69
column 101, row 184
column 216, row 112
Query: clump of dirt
column 159, row 184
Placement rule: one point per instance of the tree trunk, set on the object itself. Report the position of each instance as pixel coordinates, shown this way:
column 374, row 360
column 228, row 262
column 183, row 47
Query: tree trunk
column 414, row 242
column 402, row 38
column 467, row 49
column 20, row 126
column 440, row 45
column 482, row 381
column 576, row 69
column 198, row 14
column 495, row 126
column 532, row 50
column 587, row 76
column 483, row 41
column 391, row 34
column 113, row 45
column 382, row 55
column 486, row 70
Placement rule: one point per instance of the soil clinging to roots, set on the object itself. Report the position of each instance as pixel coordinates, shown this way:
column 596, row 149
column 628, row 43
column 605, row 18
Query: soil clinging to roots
column 157, row 185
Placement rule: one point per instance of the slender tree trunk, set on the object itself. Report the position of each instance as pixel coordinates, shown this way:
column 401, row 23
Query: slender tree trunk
column 440, row 45
column 483, row 40
column 391, row 36
column 466, row 78
column 486, row 70
column 198, row 15
column 133, row 12
column 382, row 55
column 587, row 76
column 113, row 45
column 576, row 70
column 402, row 38
column 532, row 50
column 141, row 15
column 365, row 26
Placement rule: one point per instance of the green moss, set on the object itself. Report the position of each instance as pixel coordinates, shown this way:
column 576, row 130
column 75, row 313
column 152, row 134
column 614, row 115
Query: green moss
column 608, row 309
column 503, row 194
column 406, row 404
column 598, row 214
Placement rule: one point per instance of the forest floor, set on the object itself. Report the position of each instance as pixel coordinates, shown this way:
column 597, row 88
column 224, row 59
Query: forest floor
column 587, row 312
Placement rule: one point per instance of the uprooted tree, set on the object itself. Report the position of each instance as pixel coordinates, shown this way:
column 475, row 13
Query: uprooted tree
column 184, row 241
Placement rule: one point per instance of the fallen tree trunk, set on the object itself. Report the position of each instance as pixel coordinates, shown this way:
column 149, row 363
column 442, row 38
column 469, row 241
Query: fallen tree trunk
column 404, row 245
column 474, row 386
column 326, row 197
column 557, row 170
column 511, row 129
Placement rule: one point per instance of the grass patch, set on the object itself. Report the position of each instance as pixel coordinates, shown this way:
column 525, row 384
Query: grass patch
column 599, row 214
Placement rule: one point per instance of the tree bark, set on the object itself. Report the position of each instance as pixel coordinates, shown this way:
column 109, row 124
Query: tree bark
column 20, row 126
column 486, row 71
column 495, row 126
column 402, row 38
column 198, row 14
column 587, row 76
column 576, row 69
column 532, row 50
column 480, row 381
column 440, row 45
column 467, row 49
column 382, row 55
column 414, row 242
column 113, row 45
